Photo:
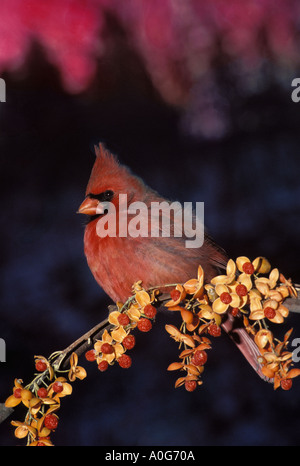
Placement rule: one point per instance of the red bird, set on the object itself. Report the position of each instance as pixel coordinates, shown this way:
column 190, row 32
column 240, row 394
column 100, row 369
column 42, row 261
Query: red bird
column 117, row 262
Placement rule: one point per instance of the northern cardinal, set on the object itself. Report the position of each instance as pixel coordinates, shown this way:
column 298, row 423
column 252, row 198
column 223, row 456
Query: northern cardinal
column 118, row 262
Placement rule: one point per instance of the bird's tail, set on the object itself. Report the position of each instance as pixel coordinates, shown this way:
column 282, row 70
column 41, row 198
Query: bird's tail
column 244, row 342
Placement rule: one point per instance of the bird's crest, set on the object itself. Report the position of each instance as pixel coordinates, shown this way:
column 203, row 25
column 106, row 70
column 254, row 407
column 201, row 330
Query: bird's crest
column 106, row 170
column 105, row 159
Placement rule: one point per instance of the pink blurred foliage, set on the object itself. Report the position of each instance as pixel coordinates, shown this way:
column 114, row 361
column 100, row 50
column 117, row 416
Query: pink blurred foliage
column 179, row 42
column 68, row 30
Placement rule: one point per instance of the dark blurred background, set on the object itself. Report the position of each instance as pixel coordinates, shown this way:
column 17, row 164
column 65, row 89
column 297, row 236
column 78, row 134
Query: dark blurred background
column 196, row 99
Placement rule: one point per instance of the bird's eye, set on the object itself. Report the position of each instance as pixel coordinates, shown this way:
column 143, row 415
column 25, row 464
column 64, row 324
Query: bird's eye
column 108, row 195
column 104, row 196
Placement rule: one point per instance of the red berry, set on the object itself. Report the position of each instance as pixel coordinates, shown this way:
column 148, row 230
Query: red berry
column 150, row 311
column 42, row 392
column 190, row 385
column 248, row 268
column 241, row 290
column 40, row 365
column 214, row 330
column 225, row 298
column 175, row 295
column 199, row 358
column 125, row 361
column 57, row 387
column 144, row 325
column 234, row 311
column 17, row 392
column 286, row 384
column 90, row 355
column 51, row 421
column 106, row 348
column 269, row 313
column 129, row 342
column 103, row 366
column 123, row 319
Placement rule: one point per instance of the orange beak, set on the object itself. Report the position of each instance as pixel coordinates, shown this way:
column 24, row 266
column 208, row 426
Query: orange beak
column 89, row 207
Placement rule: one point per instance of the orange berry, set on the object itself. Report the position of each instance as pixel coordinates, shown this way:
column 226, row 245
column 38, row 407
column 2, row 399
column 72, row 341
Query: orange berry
column 286, row 384
column 125, row 361
column 90, row 355
column 175, row 295
column 269, row 312
column 106, row 348
column 225, row 298
column 42, row 392
column 144, row 325
column 17, row 392
column 199, row 358
column 123, row 319
column 241, row 290
column 150, row 311
column 51, row 421
column 40, row 365
column 57, row 387
column 103, row 366
column 190, row 385
column 214, row 330
column 248, row 268
column 129, row 342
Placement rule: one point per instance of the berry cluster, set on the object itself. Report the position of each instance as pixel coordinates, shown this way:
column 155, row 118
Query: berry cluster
column 43, row 402
column 138, row 312
column 249, row 290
